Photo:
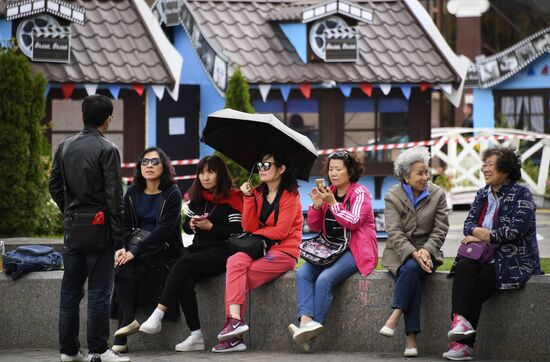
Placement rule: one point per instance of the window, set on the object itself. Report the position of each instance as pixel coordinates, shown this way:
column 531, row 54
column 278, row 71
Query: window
column 526, row 112
column 376, row 121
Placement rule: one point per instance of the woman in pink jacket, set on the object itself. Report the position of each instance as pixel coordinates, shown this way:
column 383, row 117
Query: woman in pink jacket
column 341, row 211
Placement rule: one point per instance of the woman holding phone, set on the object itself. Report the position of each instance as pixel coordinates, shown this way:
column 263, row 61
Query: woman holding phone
column 343, row 210
column 214, row 214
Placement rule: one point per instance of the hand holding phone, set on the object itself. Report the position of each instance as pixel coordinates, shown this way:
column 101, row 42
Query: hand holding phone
column 320, row 183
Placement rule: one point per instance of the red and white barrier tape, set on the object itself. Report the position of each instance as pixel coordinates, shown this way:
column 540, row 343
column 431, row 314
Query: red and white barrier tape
column 174, row 163
column 178, row 178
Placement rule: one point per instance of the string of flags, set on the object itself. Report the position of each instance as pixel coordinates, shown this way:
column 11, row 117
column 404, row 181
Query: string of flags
column 346, row 88
column 91, row 88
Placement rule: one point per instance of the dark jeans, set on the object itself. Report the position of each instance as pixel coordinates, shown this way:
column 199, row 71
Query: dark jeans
column 408, row 292
column 473, row 284
column 98, row 269
column 185, row 274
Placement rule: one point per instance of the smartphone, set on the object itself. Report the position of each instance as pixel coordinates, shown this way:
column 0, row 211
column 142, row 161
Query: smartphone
column 320, row 183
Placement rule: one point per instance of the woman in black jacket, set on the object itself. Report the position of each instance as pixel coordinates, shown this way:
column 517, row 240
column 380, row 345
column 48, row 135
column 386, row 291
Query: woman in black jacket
column 153, row 204
column 214, row 214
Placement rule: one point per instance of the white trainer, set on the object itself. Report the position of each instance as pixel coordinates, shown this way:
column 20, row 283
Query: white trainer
column 192, row 343
column 76, row 358
column 151, row 326
column 108, row 356
column 307, row 332
column 303, row 346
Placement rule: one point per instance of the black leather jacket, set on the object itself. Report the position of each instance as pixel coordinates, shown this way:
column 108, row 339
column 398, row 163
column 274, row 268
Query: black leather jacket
column 91, row 164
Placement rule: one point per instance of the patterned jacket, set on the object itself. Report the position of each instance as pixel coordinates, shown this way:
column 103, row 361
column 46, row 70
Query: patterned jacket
column 513, row 234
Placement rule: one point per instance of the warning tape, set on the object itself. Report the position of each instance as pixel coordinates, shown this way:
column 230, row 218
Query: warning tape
column 174, row 163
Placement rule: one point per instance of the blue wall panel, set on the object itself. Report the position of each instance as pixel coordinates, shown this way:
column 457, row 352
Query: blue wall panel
column 5, row 30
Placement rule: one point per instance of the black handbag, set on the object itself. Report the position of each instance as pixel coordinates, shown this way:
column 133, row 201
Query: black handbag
column 256, row 246
column 320, row 251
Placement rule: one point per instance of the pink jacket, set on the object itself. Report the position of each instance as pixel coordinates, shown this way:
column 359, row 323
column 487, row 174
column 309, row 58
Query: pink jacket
column 359, row 219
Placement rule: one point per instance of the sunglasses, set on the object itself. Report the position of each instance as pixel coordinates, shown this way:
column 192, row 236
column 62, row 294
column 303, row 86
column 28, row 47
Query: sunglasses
column 264, row 166
column 154, row 161
column 339, row 154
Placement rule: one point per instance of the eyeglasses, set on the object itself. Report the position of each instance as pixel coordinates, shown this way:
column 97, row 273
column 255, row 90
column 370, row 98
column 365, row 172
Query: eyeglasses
column 339, row 154
column 264, row 166
column 154, row 161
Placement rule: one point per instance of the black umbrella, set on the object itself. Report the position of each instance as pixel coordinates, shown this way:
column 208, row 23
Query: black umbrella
column 243, row 137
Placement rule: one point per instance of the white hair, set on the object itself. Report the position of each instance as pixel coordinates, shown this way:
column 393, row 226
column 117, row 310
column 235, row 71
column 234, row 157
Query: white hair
column 403, row 163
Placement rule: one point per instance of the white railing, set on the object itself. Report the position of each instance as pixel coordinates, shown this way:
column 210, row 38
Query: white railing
column 463, row 163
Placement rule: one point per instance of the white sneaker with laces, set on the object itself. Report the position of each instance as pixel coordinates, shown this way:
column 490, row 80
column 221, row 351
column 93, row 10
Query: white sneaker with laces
column 303, row 346
column 108, row 356
column 151, row 326
column 307, row 331
column 192, row 343
column 76, row 358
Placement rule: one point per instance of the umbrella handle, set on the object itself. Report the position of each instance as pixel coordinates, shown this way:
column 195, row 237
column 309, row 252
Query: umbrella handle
column 251, row 172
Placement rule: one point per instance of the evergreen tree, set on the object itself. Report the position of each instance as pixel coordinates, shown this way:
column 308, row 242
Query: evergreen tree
column 237, row 97
column 25, row 153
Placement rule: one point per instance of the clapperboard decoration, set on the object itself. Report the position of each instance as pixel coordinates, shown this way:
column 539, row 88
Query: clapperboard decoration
column 171, row 12
column 501, row 66
column 51, row 44
column 62, row 9
column 342, row 7
column 341, row 44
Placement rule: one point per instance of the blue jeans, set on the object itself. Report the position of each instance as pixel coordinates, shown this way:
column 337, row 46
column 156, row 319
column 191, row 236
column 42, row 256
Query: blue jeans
column 407, row 293
column 98, row 269
column 315, row 284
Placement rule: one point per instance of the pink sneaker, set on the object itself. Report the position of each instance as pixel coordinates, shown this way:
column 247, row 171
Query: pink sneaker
column 233, row 327
column 460, row 329
column 230, row 345
column 459, row 352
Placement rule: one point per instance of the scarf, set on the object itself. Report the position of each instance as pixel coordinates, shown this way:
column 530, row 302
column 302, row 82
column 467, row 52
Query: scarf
column 235, row 199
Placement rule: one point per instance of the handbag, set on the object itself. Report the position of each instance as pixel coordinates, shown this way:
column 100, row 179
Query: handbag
column 484, row 252
column 256, row 246
column 319, row 250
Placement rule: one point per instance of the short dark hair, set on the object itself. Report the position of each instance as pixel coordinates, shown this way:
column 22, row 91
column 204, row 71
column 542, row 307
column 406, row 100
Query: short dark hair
column 508, row 162
column 223, row 178
column 95, row 110
column 167, row 178
column 355, row 167
column 288, row 179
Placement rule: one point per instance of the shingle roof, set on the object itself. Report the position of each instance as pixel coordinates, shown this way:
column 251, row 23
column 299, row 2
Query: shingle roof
column 113, row 46
column 394, row 48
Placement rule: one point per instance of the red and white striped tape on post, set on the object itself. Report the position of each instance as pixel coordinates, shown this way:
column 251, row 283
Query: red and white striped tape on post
column 177, row 178
column 174, row 163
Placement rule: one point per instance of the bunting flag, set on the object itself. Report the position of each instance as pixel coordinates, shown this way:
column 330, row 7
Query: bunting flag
column 406, row 90
column 47, row 90
column 425, row 86
column 264, row 90
column 305, row 88
column 115, row 90
column 385, row 88
column 531, row 70
column 285, row 91
column 366, row 88
column 447, row 88
column 91, row 89
column 67, row 89
column 139, row 88
column 159, row 91
column 346, row 89
column 544, row 70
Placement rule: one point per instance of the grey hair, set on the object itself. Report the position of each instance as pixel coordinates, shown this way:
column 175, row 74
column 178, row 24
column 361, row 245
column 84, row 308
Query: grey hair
column 403, row 163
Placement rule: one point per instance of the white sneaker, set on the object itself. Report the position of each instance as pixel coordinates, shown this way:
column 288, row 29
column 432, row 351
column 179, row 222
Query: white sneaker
column 151, row 326
column 120, row 348
column 410, row 352
column 127, row 330
column 76, row 358
column 303, row 346
column 108, row 356
column 192, row 343
column 307, row 332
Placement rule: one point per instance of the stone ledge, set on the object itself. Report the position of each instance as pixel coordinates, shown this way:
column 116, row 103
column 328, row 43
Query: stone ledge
column 29, row 317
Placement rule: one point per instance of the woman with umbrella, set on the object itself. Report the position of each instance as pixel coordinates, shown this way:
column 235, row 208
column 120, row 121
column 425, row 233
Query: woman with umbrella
column 271, row 210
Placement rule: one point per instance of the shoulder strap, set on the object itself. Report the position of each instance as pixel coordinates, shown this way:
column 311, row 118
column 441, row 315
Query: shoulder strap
column 63, row 172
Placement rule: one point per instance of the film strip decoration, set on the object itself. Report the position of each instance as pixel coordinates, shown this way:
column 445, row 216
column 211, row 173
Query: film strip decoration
column 51, row 44
column 342, row 7
column 62, row 9
column 167, row 11
column 341, row 44
column 493, row 70
column 214, row 63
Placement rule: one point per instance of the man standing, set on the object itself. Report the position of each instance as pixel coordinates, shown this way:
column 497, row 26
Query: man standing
column 86, row 174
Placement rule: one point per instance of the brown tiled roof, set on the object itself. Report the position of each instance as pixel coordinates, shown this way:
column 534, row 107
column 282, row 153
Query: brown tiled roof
column 394, row 48
column 113, row 46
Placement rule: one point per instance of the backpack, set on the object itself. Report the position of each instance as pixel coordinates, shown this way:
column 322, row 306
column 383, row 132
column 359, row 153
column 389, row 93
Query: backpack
column 28, row 258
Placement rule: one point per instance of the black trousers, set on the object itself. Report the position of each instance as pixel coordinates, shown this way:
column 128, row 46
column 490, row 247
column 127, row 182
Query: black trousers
column 185, row 274
column 473, row 284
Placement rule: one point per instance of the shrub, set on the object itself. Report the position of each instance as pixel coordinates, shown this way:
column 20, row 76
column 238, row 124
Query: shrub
column 25, row 157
